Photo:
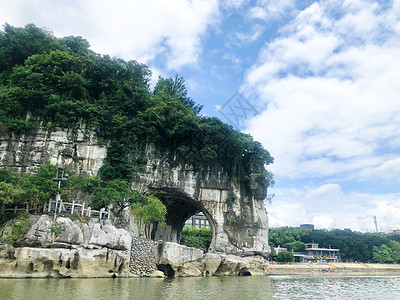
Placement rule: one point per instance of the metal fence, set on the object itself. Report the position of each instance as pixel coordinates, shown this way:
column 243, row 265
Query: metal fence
column 62, row 207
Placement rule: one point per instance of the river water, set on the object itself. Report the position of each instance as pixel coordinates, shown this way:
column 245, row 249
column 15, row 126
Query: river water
column 257, row 287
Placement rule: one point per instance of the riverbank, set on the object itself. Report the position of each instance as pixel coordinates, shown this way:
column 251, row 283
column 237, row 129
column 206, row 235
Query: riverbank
column 75, row 248
column 338, row 268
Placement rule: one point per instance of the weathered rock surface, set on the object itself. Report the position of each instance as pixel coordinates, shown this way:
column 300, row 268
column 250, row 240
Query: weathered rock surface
column 60, row 262
column 66, row 248
column 173, row 253
column 239, row 224
column 110, row 237
column 237, row 218
column 179, row 260
column 77, row 150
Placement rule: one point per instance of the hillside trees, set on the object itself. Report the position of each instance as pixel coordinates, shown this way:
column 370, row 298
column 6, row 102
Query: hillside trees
column 382, row 253
column 353, row 245
column 62, row 82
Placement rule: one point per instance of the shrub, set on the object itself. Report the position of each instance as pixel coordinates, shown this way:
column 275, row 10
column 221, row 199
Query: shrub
column 21, row 226
column 285, row 256
column 196, row 237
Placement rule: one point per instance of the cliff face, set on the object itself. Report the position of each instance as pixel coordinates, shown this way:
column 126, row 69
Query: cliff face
column 76, row 150
column 238, row 221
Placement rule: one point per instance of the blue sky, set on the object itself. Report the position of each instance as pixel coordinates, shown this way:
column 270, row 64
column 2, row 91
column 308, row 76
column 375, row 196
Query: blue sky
column 323, row 77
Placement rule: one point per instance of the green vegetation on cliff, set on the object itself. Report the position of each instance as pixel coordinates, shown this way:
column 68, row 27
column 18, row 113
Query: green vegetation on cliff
column 35, row 190
column 63, row 83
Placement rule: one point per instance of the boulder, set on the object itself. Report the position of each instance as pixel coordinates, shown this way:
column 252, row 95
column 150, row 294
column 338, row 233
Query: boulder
column 173, row 253
column 110, row 237
column 211, row 261
column 70, row 233
column 40, row 233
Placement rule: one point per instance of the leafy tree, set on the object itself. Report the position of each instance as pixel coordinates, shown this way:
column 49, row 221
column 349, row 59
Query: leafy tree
column 20, row 228
column 382, row 253
column 176, row 88
column 395, row 247
column 17, row 44
column 116, row 192
column 285, row 256
column 196, row 237
column 9, row 193
column 272, row 254
column 353, row 245
column 147, row 211
column 39, row 188
column 60, row 81
column 295, row 246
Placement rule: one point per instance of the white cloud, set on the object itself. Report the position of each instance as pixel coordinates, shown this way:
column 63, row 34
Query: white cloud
column 268, row 10
column 252, row 36
column 330, row 84
column 139, row 30
column 389, row 169
column 327, row 206
column 257, row 12
column 323, row 221
column 228, row 4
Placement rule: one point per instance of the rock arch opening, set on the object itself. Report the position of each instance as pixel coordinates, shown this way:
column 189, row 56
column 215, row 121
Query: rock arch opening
column 180, row 208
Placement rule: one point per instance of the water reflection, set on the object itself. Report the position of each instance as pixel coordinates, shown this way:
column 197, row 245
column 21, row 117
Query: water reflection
column 273, row 287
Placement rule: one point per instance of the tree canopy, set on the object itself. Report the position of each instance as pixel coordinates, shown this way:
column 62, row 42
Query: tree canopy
column 285, row 256
column 353, row 245
column 61, row 82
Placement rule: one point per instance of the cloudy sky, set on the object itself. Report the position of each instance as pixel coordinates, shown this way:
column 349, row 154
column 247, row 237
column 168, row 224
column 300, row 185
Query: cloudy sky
column 319, row 85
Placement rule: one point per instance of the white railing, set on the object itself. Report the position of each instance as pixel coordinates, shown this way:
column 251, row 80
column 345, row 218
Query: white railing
column 76, row 209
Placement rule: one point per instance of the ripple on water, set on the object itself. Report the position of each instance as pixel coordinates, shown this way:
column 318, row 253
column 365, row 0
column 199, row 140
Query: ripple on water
column 263, row 287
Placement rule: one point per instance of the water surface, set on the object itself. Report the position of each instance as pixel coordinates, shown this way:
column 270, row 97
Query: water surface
column 257, row 287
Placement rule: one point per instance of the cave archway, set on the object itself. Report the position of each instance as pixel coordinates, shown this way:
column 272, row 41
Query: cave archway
column 180, row 207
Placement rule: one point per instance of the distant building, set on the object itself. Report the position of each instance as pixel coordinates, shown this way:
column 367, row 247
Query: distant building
column 198, row 220
column 322, row 254
column 279, row 249
column 308, row 226
column 313, row 253
column 394, row 230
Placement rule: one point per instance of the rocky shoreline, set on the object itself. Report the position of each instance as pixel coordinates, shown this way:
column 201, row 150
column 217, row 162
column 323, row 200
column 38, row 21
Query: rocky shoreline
column 99, row 249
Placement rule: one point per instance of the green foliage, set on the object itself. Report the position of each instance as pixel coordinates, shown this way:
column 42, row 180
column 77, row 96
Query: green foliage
column 56, row 229
column 117, row 192
column 39, row 188
column 353, row 245
column 9, row 193
column 196, row 237
column 382, row 253
column 231, row 197
column 160, row 245
column 273, row 252
column 147, row 210
column 296, row 246
column 177, row 89
column 285, row 256
column 60, row 81
column 20, row 228
column 395, row 247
